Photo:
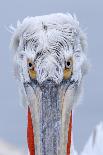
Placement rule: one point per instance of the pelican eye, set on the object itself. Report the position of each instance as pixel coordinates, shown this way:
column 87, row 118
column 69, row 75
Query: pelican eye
column 30, row 64
column 68, row 69
column 68, row 63
column 31, row 70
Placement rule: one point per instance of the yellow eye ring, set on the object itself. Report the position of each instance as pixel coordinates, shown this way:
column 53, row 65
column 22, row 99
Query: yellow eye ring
column 31, row 70
column 68, row 69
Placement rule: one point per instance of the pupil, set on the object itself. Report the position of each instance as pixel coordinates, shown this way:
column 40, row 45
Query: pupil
column 68, row 63
column 30, row 64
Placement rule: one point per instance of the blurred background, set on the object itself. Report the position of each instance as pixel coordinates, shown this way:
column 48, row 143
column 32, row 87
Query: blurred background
column 88, row 114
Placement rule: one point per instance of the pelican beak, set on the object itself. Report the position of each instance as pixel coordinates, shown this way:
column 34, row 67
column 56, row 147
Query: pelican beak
column 45, row 118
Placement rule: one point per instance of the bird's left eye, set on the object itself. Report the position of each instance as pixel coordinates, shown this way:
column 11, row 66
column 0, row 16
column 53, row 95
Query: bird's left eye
column 68, row 63
column 31, row 69
column 30, row 65
column 68, row 69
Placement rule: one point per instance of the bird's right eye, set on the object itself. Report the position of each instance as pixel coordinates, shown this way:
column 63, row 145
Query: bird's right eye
column 31, row 69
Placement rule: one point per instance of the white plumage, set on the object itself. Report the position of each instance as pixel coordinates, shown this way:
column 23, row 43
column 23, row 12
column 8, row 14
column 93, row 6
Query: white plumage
column 49, row 42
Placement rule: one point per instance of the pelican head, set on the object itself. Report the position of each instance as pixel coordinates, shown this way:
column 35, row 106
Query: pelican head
column 50, row 63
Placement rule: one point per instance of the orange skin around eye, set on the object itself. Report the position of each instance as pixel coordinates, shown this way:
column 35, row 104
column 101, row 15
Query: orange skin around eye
column 32, row 73
column 31, row 70
column 67, row 73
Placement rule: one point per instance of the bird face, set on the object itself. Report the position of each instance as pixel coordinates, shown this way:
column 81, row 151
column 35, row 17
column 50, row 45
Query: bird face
column 50, row 64
column 67, row 72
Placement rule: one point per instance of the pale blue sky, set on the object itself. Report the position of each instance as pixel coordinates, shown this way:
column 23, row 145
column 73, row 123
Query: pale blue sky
column 87, row 115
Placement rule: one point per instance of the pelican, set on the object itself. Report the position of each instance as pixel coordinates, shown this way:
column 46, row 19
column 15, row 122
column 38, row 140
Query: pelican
column 50, row 62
